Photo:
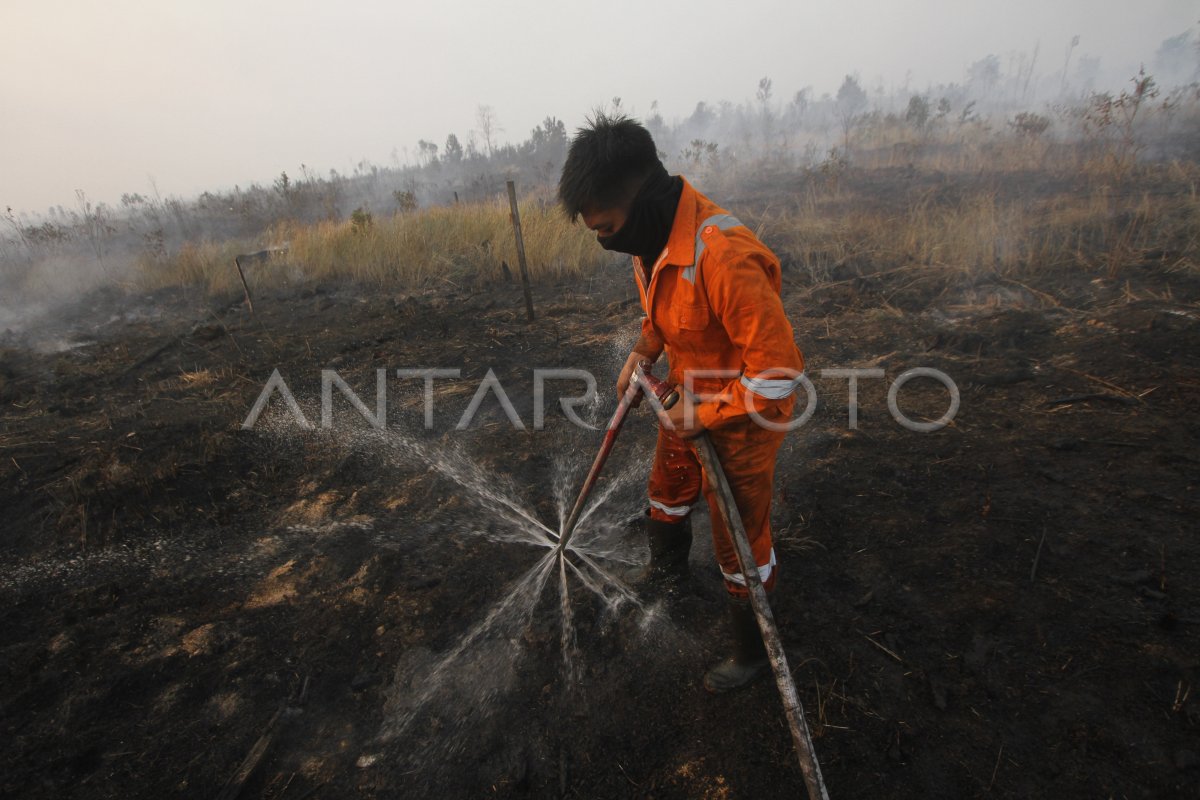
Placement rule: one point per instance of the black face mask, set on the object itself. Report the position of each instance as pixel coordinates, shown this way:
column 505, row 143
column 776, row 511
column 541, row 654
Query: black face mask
column 651, row 215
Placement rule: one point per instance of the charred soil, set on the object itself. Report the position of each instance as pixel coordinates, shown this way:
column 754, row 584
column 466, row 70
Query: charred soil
column 1006, row 606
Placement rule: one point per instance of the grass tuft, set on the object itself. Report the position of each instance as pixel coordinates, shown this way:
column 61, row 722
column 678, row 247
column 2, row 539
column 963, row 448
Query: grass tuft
column 465, row 244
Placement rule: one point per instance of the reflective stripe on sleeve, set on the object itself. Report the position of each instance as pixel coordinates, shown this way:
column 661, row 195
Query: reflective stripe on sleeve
column 772, row 388
column 674, row 511
column 764, row 572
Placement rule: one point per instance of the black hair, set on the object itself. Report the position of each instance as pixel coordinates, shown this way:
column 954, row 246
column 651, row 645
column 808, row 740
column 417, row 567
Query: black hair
column 608, row 160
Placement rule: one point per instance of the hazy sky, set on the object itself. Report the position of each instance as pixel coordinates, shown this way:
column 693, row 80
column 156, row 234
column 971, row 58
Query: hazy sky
column 105, row 96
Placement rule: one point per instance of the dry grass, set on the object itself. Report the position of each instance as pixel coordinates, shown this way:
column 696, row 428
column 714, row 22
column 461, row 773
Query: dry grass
column 1153, row 215
column 978, row 235
column 206, row 264
column 463, row 245
column 964, row 150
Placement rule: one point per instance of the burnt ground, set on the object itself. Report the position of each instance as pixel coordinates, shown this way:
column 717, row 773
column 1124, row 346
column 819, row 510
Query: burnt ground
column 1004, row 607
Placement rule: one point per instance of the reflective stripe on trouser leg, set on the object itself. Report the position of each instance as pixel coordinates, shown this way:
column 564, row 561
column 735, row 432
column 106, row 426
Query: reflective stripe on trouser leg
column 747, row 454
column 674, row 485
column 765, row 572
column 670, row 511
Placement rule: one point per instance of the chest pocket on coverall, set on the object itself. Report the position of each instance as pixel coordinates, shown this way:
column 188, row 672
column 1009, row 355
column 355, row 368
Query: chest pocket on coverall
column 690, row 304
column 690, row 307
column 691, row 312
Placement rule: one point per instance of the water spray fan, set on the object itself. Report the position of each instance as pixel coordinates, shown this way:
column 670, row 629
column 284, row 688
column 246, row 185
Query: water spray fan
column 661, row 392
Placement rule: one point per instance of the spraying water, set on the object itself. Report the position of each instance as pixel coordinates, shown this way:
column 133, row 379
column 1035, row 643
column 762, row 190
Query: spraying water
column 455, row 693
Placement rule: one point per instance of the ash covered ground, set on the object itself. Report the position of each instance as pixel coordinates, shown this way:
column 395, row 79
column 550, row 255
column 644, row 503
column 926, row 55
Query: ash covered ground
column 1006, row 606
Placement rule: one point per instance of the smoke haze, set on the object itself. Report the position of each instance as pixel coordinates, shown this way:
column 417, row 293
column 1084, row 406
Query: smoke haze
column 182, row 97
column 160, row 141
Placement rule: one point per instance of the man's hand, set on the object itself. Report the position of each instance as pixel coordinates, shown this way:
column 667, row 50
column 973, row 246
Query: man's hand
column 684, row 420
column 627, row 372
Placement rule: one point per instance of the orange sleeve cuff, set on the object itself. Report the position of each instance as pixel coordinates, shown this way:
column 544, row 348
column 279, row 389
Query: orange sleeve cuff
column 649, row 343
column 736, row 404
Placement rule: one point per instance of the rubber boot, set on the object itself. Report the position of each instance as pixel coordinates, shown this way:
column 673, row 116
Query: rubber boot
column 749, row 659
column 670, row 544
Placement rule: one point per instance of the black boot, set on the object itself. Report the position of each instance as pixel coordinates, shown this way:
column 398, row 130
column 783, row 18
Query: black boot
column 749, row 659
column 670, row 544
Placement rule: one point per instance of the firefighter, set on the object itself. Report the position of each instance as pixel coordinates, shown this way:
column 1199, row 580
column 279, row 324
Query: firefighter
column 710, row 291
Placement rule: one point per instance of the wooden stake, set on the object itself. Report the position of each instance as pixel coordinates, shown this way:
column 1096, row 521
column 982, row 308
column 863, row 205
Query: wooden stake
column 237, row 262
column 516, row 221
column 766, row 620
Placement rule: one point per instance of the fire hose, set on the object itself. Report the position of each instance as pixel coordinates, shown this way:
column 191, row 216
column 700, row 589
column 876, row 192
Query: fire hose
column 664, row 397
column 628, row 400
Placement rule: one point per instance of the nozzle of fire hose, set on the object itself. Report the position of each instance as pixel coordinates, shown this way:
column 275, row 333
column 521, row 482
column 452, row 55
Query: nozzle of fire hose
column 663, row 391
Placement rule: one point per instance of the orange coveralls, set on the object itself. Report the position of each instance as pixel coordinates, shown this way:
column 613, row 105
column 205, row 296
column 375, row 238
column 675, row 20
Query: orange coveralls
column 712, row 303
